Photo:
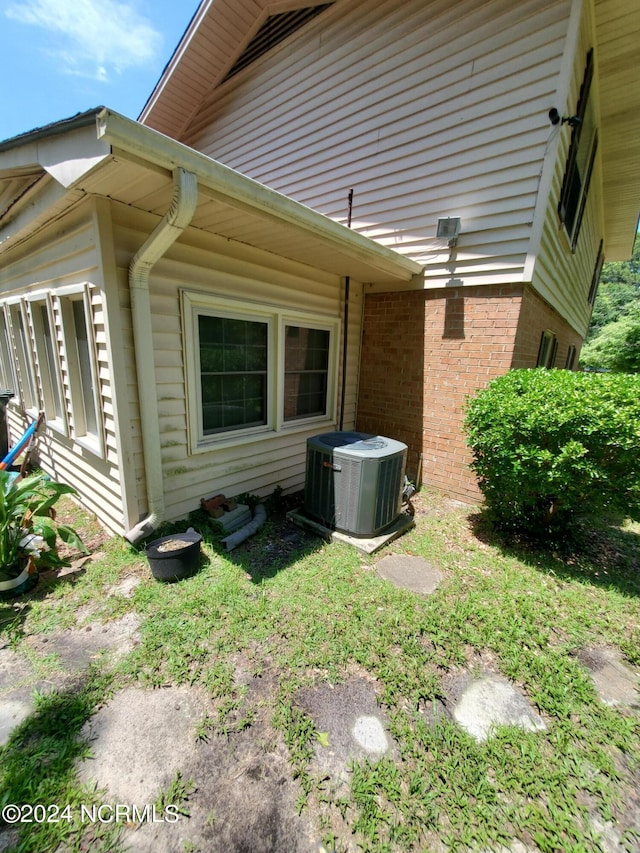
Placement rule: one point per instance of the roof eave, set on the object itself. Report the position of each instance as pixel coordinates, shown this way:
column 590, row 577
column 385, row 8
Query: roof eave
column 245, row 193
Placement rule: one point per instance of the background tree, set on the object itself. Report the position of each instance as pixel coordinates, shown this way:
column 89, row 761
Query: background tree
column 613, row 340
column 617, row 345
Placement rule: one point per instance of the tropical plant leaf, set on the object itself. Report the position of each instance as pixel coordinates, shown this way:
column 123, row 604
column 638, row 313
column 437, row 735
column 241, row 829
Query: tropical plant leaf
column 71, row 538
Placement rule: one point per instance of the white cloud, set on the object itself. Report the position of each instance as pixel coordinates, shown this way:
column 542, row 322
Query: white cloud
column 92, row 38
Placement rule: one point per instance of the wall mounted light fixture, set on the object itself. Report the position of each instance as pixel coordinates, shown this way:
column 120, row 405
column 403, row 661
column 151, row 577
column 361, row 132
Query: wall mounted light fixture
column 556, row 118
column 449, row 229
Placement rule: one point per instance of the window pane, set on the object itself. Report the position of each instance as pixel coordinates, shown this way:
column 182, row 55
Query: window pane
column 306, row 365
column 233, row 373
column 25, row 365
column 7, row 367
column 83, row 346
column 49, row 367
column 548, row 349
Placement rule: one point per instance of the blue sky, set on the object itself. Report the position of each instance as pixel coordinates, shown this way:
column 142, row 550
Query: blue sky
column 61, row 57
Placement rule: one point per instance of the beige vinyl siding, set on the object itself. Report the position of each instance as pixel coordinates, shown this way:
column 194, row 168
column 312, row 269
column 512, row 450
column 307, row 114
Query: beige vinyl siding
column 560, row 276
column 424, row 109
column 59, row 264
column 201, row 263
column 563, row 279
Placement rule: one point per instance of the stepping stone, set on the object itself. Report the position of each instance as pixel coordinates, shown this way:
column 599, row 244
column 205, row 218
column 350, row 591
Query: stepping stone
column 17, row 683
column 12, row 713
column 615, row 680
column 412, row 573
column 244, row 798
column 77, row 648
column 350, row 724
column 491, row 701
column 139, row 740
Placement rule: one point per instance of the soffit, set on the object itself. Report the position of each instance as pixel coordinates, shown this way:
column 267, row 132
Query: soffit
column 218, row 33
column 618, row 69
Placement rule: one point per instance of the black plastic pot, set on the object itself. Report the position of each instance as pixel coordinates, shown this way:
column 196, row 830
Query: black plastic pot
column 174, row 563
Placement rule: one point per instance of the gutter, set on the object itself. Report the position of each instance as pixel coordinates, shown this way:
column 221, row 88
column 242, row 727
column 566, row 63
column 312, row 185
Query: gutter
column 174, row 222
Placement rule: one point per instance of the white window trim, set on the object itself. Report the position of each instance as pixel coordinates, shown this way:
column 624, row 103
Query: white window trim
column 59, row 424
column 6, row 350
column 20, row 369
column 90, row 441
column 277, row 317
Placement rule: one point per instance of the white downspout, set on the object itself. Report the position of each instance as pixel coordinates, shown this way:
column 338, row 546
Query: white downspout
column 174, row 222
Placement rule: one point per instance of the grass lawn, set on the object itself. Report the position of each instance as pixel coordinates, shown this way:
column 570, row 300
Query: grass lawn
column 308, row 612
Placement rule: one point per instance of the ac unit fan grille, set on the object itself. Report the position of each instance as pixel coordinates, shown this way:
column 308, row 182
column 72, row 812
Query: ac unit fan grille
column 390, row 482
column 354, row 482
column 319, row 488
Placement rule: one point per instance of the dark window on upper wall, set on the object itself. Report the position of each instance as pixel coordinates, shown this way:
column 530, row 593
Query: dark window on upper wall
column 595, row 278
column 580, row 160
column 547, row 350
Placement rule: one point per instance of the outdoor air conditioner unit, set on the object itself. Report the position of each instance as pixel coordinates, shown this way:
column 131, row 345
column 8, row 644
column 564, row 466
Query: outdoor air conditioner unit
column 354, row 481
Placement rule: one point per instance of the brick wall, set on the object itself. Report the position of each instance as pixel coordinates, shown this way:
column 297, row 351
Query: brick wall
column 535, row 317
column 424, row 351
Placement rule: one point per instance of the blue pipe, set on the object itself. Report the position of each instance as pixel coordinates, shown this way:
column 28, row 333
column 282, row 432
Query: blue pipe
column 17, row 450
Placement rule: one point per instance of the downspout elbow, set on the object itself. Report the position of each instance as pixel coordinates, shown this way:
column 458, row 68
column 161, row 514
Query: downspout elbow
column 174, row 222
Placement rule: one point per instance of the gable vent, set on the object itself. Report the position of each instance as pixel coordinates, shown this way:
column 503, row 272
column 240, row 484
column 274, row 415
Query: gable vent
column 275, row 29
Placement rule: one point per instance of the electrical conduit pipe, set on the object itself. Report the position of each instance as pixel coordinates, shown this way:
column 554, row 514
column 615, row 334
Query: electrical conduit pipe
column 174, row 222
column 236, row 538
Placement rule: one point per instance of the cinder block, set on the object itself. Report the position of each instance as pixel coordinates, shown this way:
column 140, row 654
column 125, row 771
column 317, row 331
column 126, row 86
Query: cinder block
column 235, row 519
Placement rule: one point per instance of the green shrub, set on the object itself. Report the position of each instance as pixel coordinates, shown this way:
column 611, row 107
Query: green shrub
column 552, row 445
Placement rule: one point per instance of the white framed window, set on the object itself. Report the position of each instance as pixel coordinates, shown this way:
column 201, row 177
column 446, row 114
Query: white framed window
column 307, row 354
column 81, row 369
column 8, row 376
column 48, row 361
column 254, row 369
column 233, row 356
column 28, row 388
